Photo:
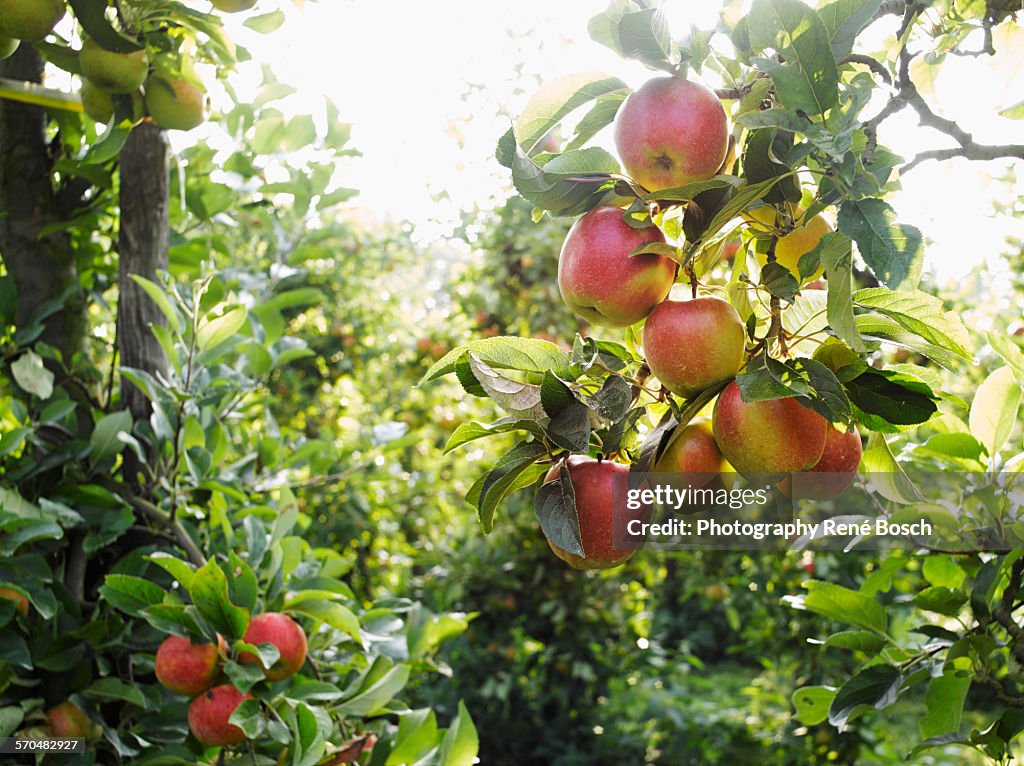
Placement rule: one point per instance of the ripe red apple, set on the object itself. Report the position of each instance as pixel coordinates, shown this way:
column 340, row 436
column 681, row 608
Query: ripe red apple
column 20, row 602
column 8, row 45
column 29, row 20
column 693, row 345
column 777, row 436
column 187, row 668
column 232, row 6
column 284, row 633
column 596, row 487
column 833, row 473
column 599, row 280
column 67, row 720
column 209, row 713
column 671, row 132
column 175, row 104
column 729, row 250
column 113, row 72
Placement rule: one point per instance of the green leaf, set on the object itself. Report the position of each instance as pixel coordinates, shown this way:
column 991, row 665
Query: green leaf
column 215, row 330
column 338, row 616
column 249, row 718
column 209, row 592
column 894, row 397
column 30, row 373
column 1010, row 353
column 835, row 253
column 520, row 400
column 601, row 115
column 508, row 353
column 845, row 605
column 945, row 702
column 265, row 23
column 556, row 100
column 467, row 432
column 812, row 703
column 885, row 474
column 131, row 594
column 875, row 686
column 994, row 410
column 760, row 164
column 779, row 281
column 105, row 441
column 372, row 699
column 843, row 20
column 920, row 313
column 943, row 572
column 91, row 14
column 555, row 506
column 10, row 719
column 809, row 79
column 180, row 570
column 612, row 401
column 503, row 477
column 109, row 689
column 892, row 250
column 941, row 600
column 417, row 735
column 159, row 297
column 461, row 742
column 575, row 185
column 856, row 641
column 1014, row 112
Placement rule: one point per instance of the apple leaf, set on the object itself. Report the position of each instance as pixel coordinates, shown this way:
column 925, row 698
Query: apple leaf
column 920, row 313
column 875, row 686
column 556, row 100
column 209, row 592
column 508, row 353
column 892, row 250
column 809, row 80
column 843, row 20
column 555, row 506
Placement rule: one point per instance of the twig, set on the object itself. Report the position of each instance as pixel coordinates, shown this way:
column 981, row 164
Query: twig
column 159, row 516
column 873, row 64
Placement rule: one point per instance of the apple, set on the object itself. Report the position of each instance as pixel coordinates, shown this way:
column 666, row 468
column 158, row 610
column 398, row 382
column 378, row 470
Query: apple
column 187, row 668
column 284, row 633
column 209, row 713
column 790, row 248
column 596, row 484
column 67, row 720
column 29, row 20
column 716, row 592
column 693, row 345
column 600, row 281
column 232, row 6
column 729, row 250
column 175, row 104
column 113, row 72
column 19, row 599
column 692, row 450
column 833, row 473
column 776, row 436
column 8, row 45
column 97, row 103
column 671, row 132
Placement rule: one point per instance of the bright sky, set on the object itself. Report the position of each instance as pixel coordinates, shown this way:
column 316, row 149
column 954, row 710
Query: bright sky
column 416, row 78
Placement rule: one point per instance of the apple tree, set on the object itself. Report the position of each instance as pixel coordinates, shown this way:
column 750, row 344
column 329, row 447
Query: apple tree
column 162, row 595
column 766, row 200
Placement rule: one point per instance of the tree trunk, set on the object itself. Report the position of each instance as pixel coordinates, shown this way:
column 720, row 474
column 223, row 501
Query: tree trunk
column 42, row 268
column 143, row 250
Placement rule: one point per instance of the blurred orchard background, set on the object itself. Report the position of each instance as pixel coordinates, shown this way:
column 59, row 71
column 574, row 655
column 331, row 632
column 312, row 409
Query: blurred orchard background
column 671, row 659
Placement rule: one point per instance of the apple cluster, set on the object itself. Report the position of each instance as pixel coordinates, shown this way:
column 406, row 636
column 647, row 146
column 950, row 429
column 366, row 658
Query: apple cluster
column 194, row 670
column 669, row 133
column 172, row 101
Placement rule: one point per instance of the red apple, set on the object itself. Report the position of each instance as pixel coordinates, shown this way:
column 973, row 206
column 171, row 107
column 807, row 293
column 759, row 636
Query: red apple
column 776, row 436
column 671, row 132
column 187, row 668
column 284, row 633
column 833, row 473
column 209, row 713
column 600, row 281
column 596, row 485
column 729, row 250
column 693, row 345
column 67, row 720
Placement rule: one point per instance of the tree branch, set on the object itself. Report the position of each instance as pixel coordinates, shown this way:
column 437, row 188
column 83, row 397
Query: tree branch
column 158, row 516
column 871, row 63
